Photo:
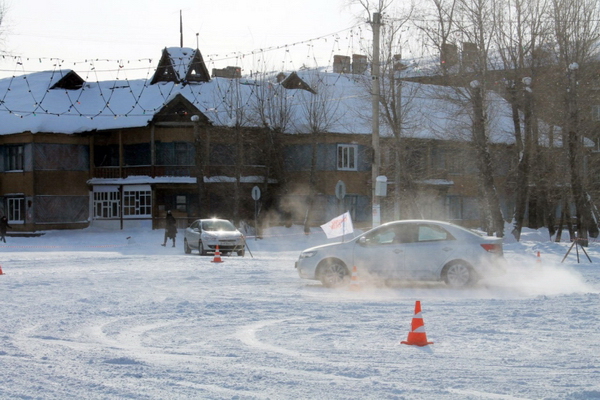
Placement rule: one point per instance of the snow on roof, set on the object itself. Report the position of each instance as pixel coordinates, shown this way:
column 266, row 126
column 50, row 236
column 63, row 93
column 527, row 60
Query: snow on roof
column 181, row 59
column 141, row 180
column 28, row 104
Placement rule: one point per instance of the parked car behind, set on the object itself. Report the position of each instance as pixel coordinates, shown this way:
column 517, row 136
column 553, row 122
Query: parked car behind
column 410, row 250
column 205, row 234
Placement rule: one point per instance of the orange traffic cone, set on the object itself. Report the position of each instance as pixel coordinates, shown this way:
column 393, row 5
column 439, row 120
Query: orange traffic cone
column 1, row 273
column 538, row 261
column 417, row 335
column 354, row 285
column 217, row 258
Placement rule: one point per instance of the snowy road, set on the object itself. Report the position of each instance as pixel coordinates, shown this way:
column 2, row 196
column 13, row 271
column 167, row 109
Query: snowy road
column 86, row 315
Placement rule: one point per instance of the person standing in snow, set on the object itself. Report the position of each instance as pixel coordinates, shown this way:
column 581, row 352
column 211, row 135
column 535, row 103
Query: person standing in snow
column 170, row 228
column 3, row 225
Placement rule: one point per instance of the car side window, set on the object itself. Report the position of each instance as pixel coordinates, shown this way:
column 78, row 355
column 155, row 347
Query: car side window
column 382, row 236
column 430, row 233
column 405, row 234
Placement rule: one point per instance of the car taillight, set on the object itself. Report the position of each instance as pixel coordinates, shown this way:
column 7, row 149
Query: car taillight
column 492, row 248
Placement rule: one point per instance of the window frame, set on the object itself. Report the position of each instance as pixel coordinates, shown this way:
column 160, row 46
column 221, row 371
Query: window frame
column 14, row 161
column 137, row 202
column 347, row 157
column 595, row 111
column 15, row 207
column 109, row 201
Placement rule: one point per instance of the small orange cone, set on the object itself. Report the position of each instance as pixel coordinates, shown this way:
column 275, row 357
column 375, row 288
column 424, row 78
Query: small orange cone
column 354, row 285
column 538, row 261
column 217, row 258
column 1, row 273
column 417, row 335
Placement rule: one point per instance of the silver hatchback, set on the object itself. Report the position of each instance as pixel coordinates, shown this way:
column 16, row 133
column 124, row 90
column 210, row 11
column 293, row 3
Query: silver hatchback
column 205, row 234
column 412, row 250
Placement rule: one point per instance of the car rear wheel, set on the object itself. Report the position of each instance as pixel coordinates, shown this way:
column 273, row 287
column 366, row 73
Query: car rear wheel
column 458, row 274
column 241, row 253
column 333, row 273
column 186, row 247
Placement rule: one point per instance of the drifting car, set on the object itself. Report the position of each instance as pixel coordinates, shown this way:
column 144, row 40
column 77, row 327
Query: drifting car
column 410, row 250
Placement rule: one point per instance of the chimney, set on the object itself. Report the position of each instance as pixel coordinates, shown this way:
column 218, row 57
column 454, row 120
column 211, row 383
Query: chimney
column 359, row 64
column 341, row 64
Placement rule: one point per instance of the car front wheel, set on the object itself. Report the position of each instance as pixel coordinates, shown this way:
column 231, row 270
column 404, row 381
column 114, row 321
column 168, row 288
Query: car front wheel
column 186, row 247
column 333, row 273
column 458, row 274
column 201, row 250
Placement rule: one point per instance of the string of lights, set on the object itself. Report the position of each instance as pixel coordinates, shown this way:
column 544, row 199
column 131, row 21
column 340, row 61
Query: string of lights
column 94, row 69
column 227, row 99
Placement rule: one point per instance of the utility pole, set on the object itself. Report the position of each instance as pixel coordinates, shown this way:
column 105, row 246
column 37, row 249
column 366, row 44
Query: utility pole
column 180, row 29
column 376, row 163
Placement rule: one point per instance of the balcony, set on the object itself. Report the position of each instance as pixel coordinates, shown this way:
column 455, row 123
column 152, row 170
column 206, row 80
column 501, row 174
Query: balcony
column 178, row 170
column 144, row 170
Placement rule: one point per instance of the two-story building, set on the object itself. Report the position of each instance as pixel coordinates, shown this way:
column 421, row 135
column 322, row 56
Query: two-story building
column 118, row 153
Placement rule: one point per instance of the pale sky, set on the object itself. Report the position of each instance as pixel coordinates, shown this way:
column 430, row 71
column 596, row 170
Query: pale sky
column 129, row 30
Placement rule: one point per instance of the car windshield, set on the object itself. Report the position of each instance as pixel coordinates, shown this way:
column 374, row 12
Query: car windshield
column 217, row 225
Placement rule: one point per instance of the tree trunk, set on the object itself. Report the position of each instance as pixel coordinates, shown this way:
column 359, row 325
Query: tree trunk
column 495, row 221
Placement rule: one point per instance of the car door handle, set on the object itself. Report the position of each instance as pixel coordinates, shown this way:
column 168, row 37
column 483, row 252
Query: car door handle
column 447, row 248
column 398, row 251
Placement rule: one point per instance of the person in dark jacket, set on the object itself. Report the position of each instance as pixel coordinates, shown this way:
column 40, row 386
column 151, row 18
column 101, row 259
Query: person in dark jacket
column 3, row 225
column 170, row 228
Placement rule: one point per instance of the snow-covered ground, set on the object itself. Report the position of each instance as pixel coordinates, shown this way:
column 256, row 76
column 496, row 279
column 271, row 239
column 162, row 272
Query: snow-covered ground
column 93, row 315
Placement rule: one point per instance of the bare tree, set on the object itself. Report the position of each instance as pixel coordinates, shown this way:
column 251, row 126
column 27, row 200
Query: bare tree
column 270, row 108
column 471, row 22
column 576, row 28
column 235, row 116
column 519, row 35
column 319, row 111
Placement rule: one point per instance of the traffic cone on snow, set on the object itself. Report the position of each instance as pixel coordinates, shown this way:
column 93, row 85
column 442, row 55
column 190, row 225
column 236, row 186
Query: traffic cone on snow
column 217, row 258
column 354, row 285
column 1, row 273
column 417, row 335
column 538, row 261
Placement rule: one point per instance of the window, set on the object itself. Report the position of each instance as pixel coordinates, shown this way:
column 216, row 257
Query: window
column 346, row 157
column 455, row 161
column 14, row 158
column 106, row 204
column 429, row 233
column 137, row 202
column 181, row 203
column 184, row 153
column 15, row 207
column 455, row 207
column 596, row 112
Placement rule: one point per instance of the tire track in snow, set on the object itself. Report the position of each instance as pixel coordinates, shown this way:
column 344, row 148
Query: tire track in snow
column 247, row 335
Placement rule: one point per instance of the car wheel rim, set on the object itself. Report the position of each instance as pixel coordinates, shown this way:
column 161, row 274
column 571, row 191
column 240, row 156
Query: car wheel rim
column 458, row 275
column 335, row 274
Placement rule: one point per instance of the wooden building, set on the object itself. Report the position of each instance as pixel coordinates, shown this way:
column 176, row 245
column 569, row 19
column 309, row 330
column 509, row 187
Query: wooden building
column 121, row 153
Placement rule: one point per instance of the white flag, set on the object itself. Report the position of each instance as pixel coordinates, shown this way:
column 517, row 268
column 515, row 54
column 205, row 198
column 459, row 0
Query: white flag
column 339, row 226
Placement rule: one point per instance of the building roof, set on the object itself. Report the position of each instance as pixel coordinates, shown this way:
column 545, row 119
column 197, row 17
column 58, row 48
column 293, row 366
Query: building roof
column 60, row 101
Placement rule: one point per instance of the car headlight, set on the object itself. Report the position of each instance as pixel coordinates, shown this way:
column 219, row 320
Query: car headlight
column 308, row 254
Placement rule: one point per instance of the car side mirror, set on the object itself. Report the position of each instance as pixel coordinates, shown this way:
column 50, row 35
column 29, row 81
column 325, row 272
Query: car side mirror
column 362, row 241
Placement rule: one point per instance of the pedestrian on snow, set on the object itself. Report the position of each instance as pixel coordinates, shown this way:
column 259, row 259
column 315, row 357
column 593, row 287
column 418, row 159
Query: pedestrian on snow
column 3, row 225
column 170, row 228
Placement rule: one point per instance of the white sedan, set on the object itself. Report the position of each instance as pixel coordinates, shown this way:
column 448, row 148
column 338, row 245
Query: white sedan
column 412, row 250
column 205, row 234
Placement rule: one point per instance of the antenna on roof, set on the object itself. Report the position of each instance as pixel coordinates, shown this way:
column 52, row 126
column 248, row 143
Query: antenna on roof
column 180, row 29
